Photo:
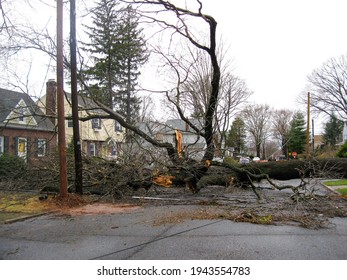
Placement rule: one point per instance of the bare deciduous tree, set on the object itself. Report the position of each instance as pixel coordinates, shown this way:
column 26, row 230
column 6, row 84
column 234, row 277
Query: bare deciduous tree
column 281, row 126
column 147, row 108
column 197, row 87
column 329, row 87
column 182, row 28
column 257, row 121
column 6, row 22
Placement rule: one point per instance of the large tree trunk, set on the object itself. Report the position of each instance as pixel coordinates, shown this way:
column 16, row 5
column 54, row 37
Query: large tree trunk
column 279, row 170
column 224, row 174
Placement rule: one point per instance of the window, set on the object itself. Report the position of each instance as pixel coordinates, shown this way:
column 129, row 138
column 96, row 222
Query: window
column 118, row 127
column 41, row 147
column 111, row 149
column 2, row 144
column 21, row 113
column 69, row 123
column 22, row 147
column 92, row 150
column 96, row 123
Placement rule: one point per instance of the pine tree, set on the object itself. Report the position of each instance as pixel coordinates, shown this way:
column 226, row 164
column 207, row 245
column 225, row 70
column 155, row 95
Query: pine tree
column 332, row 131
column 104, row 45
column 133, row 54
column 118, row 50
column 297, row 133
column 237, row 135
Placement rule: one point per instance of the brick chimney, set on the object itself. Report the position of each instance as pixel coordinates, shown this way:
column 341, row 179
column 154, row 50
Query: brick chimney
column 51, row 100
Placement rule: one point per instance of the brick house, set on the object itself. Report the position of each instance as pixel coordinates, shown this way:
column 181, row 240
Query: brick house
column 24, row 130
column 99, row 137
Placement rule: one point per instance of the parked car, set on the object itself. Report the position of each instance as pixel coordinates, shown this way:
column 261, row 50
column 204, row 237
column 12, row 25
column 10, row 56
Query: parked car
column 218, row 159
column 244, row 160
column 256, row 159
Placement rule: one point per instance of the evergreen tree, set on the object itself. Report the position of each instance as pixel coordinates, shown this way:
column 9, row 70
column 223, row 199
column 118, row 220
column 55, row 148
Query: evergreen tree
column 297, row 133
column 102, row 74
column 237, row 135
column 133, row 54
column 118, row 50
column 342, row 152
column 332, row 131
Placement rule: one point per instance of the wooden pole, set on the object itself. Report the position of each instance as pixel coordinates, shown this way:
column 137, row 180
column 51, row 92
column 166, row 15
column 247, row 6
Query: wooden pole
column 60, row 99
column 74, row 101
column 308, row 128
column 312, row 135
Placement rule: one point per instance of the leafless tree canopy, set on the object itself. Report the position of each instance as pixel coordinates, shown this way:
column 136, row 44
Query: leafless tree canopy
column 329, row 87
column 281, row 126
column 180, row 26
column 196, row 89
column 257, row 120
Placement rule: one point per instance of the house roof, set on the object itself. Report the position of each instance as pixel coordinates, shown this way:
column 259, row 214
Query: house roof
column 84, row 102
column 10, row 100
column 181, row 125
column 318, row 139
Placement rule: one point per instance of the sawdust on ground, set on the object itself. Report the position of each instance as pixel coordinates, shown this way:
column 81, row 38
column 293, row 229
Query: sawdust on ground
column 23, row 205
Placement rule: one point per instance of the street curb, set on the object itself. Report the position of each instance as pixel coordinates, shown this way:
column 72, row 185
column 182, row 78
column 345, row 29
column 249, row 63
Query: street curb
column 23, row 218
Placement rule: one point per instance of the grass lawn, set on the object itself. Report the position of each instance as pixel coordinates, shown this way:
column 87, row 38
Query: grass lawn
column 336, row 183
column 15, row 205
column 342, row 191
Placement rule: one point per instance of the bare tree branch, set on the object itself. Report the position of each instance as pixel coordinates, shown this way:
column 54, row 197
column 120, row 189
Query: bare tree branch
column 329, row 87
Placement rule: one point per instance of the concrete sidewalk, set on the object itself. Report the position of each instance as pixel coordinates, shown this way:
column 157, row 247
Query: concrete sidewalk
column 134, row 235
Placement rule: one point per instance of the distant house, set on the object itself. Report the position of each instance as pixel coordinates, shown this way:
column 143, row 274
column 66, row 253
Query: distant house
column 193, row 145
column 138, row 148
column 318, row 141
column 24, row 130
column 100, row 137
column 344, row 133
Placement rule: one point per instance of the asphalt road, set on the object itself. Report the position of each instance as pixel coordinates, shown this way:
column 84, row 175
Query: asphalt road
column 133, row 235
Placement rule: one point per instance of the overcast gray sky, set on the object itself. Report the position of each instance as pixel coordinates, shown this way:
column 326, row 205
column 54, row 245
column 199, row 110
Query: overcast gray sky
column 274, row 44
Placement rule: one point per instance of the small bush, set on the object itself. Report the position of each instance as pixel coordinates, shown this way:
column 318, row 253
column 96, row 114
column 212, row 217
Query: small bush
column 230, row 160
column 11, row 167
column 342, row 152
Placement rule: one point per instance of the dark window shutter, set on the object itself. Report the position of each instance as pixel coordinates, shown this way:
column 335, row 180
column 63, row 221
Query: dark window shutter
column 36, row 143
column 47, row 147
column 29, row 148
column 6, row 144
column 15, row 148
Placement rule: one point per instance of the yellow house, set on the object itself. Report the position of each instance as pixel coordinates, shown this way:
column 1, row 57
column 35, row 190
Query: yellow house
column 100, row 137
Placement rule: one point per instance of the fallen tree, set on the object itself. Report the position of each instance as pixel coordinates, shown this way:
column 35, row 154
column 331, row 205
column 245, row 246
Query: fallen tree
column 104, row 177
column 292, row 169
column 193, row 172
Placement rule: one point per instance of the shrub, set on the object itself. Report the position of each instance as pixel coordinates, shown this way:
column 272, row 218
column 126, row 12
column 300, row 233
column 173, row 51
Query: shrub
column 11, row 167
column 230, row 160
column 342, row 152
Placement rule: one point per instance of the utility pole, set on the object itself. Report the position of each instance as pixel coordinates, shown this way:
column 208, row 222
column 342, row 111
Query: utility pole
column 312, row 136
column 308, row 128
column 60, row 99
column 74, row 101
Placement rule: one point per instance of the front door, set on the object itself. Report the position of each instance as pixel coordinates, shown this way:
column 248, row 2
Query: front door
column 22, row 148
